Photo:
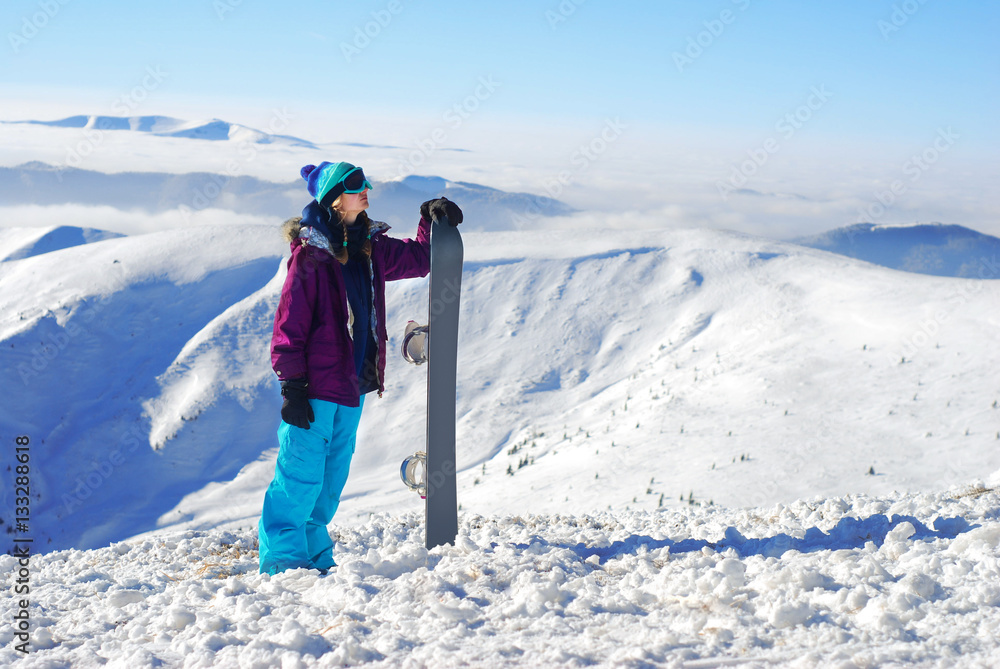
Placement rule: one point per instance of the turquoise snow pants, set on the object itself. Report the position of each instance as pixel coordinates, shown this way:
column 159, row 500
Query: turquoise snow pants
column 309, row 476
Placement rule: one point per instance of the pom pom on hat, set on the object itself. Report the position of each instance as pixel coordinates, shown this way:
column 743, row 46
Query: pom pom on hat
column 306, row 171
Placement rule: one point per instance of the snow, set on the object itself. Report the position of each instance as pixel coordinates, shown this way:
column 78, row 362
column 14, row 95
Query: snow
column 677, row 448
column 572, row 369
column 673, row 368
column 856, row 581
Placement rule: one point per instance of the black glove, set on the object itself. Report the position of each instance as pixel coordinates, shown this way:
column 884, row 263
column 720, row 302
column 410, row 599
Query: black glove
column 295, row 410
column 433, row 210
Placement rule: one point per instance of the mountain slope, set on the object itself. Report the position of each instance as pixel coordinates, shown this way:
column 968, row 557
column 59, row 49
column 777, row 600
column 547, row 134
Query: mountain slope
column 664, row 370
column 17, row 243
column 85, row 332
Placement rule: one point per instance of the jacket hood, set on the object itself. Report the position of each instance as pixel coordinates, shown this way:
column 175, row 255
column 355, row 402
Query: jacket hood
column 290, row 228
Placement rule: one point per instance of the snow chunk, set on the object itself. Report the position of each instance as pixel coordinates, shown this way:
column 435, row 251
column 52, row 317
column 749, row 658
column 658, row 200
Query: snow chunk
column 178, row 617
column 875, row 616
column 789, row 614
column 42, row 639
column 897, row 540
column 121, row 598
column 984, row 538
column 734, row 571
column 921, row 585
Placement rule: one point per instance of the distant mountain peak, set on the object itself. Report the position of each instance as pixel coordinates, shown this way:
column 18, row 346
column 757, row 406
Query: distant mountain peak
column 425, row 184
column 19, row 243
column 167, row 126
column 938, row 249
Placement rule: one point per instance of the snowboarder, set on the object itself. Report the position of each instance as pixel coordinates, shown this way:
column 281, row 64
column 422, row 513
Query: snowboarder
column 329, row 350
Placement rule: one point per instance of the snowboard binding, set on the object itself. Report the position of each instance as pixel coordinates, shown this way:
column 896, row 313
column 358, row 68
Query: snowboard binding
column 414, row 346
column 408, row 471
column 414, row 350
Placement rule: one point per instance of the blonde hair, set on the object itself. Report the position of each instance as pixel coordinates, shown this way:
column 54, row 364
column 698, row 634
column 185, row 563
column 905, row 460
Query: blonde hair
column 341, row 252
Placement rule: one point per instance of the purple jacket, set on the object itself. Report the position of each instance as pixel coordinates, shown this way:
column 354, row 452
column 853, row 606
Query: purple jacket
column 311, row 335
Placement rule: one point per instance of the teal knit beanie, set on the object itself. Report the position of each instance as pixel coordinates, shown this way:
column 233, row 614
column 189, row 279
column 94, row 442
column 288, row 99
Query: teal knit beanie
column 324, row 181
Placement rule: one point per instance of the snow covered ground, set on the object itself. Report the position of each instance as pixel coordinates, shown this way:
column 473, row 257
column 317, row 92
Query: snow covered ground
column 855, row 581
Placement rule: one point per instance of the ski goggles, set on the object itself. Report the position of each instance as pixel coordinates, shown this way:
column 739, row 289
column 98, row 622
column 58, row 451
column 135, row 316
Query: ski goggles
column 355, row 181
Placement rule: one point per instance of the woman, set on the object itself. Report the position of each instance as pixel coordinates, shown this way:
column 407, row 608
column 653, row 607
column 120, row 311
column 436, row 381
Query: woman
column 328, row 350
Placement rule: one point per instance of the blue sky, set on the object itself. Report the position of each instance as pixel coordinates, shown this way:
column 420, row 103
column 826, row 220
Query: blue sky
column 707, row 91
column 895, row 69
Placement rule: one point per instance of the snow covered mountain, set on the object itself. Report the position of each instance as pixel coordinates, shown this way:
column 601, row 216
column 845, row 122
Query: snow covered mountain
column 155, row 192
column 644, row 371
column 17, row 243
column 937, row 249
column 166, row 126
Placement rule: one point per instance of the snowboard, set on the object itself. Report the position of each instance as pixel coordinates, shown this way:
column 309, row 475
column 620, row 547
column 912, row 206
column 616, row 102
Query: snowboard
column 437, row 345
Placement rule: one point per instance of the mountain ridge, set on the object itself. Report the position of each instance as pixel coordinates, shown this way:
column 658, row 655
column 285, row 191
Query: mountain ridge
column 706, row 366
column 395, row 202
column 167, row 126
column 937, row 249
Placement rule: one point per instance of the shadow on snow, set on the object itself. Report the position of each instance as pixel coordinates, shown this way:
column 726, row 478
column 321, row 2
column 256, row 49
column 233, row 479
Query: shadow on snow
column 849, row 533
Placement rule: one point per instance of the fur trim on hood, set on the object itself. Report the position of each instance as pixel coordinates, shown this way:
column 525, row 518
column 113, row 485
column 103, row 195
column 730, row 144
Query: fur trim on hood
column 290, row 229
